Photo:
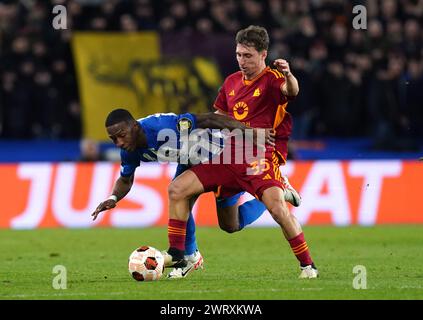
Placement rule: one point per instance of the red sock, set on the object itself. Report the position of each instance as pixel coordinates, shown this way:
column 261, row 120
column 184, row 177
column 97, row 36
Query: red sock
column 176, row 231
column 300, row 249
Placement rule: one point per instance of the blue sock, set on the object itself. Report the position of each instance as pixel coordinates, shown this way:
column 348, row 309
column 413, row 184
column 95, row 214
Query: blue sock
column 249, row 212
column 228, row 202
column 190, row 242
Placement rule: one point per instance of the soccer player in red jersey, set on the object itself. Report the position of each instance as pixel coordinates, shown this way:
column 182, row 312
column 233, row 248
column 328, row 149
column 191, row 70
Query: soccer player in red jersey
column 257, row 96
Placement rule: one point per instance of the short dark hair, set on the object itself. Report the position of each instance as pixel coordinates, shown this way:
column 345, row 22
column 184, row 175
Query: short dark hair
column 253, row 36
column 118, row 115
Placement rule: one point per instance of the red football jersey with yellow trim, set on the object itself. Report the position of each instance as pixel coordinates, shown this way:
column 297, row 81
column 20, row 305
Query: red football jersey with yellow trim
column 258, row 103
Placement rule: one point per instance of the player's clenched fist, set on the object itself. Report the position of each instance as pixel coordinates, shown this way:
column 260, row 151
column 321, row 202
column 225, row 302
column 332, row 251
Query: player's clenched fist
column 282, row 66
column 105, row 205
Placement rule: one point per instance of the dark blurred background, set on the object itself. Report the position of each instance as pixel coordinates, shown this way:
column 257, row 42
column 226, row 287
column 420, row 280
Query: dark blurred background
column 360, row 90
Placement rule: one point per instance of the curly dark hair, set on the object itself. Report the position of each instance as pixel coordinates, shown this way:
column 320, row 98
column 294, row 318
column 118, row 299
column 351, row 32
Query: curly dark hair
column 118, row 115
column 253, row 36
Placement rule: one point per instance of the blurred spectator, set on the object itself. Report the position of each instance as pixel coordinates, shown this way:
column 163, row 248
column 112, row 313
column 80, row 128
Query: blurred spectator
column 90, row 151
column 128, row 23
column 339, row 100
column 412, row 103
column 253, row 12
column 303, row 107
column 144, row 14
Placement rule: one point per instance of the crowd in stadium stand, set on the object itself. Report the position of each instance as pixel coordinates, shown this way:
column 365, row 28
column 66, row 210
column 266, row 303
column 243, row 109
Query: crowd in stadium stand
column 353, row 82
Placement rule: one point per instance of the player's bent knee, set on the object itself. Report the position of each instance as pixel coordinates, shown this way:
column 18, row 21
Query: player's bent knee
column 175, row 192
column 279, row 212
column 228, row 228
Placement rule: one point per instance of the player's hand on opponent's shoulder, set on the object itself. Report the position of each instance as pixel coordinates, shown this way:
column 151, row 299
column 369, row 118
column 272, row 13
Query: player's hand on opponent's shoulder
column 105, row 205
column 283, row 66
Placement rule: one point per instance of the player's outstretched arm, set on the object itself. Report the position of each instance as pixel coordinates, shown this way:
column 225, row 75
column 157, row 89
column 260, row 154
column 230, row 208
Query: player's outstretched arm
column 213, row 120
column 120, row 190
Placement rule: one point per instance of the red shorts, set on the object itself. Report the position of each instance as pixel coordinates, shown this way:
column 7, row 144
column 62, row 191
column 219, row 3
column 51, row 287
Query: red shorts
column 230, row 179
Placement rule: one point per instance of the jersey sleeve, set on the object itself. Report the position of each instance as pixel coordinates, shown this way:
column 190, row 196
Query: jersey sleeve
column 276, row 81
column 221, row 103
column 129, row 163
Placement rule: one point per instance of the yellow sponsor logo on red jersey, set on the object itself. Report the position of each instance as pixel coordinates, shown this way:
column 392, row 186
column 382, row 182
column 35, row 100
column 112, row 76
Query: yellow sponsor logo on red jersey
column 240, row 110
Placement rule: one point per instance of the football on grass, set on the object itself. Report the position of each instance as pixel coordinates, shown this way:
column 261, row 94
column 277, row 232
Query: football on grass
column 146, row 264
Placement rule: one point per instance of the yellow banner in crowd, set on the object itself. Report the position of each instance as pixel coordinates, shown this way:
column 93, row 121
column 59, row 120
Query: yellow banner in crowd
column 126, row 70
column 103, row 69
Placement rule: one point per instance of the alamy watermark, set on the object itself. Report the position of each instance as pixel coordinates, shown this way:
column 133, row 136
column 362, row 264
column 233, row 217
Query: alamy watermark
column 60, row 281
column 60, row 20
column 214, row 146
column 360, row 280
column 360, row 20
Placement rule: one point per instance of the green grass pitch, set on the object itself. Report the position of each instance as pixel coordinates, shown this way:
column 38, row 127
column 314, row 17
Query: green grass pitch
column 256, row 264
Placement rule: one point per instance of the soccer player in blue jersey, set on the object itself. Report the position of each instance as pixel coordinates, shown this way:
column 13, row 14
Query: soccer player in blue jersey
column 139, row 142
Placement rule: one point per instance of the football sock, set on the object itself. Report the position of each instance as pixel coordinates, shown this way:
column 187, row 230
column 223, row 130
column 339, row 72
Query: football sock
column 176, row 232
column 249, row 212
column 190, row 241
column 300, row 249
column 177, row 256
